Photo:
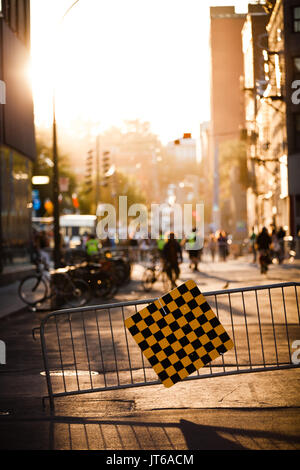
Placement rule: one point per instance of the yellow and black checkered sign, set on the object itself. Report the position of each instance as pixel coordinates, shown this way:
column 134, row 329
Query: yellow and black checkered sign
column 179, row 333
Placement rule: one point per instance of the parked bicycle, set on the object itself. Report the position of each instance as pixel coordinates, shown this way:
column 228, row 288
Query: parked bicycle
column 102, row 282
column 114, row 266
column 58, row 285
column 153, row 274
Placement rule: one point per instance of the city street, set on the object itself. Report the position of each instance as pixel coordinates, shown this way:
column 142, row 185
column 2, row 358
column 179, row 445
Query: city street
column 149, row 227
column 246, row 411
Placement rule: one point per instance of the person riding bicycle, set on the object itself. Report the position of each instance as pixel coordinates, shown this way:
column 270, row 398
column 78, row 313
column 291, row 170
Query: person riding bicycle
column 172, row 255
column 263, row 244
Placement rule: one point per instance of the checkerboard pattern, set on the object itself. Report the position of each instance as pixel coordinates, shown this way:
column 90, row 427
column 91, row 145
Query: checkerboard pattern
column 179, row 333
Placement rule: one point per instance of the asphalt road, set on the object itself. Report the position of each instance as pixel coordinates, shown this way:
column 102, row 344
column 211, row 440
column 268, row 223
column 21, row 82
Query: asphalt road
column 244, row 411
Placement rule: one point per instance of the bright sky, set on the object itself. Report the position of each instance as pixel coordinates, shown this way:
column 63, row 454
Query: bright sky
column 123, row 59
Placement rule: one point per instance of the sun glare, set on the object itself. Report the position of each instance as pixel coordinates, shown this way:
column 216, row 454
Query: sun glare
column 122, row 60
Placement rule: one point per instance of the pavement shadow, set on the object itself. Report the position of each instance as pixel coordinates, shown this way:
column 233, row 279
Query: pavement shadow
column 71, row 433
column 206, row 275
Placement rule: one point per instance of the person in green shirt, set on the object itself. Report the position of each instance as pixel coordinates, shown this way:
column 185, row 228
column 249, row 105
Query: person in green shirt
column 194, row 253
column 161, row 241
column 92, row 245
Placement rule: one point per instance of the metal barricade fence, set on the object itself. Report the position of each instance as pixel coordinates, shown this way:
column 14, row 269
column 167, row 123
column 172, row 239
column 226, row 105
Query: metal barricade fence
column 89, row 349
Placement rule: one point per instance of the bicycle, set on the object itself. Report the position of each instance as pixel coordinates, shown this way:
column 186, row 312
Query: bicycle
column 99, row 278
column 57, row 284
column 155, row 273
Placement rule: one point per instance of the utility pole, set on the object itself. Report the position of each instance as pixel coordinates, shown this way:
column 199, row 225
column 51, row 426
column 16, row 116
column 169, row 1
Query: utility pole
column 97, row 189
column 55, row 177
column 55, row 190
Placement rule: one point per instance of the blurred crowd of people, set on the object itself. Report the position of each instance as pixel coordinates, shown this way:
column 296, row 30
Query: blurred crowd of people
column 170, row 251
column 265, row 246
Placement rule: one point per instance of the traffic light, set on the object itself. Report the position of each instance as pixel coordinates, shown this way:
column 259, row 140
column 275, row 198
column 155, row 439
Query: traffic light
column 106, row 167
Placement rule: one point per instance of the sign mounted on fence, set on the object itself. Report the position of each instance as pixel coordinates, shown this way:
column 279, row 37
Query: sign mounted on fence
column 179, row 333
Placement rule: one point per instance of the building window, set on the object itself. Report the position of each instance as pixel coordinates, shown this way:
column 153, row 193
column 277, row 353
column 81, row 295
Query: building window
column 13, row 15
column 297, row 131
column 296, row 19
column 15, row 174
column 297, row 65
column 21, row 21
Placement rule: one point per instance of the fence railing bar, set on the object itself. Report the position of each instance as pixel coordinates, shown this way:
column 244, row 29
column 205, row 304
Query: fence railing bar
column 100, row 348
column 127, row 346
column 142, row 356
column 73, row 350
column 273, row 326
column 46, row 366
column 260, row 332
column 87, row 351
column 247, row 333
column 157, row 382
column 233, row 334
column 113, row 344
column 104, row 306
column 60, row 355
column 251, row 288
column 217, row 313
column 286, row 323
column 130, row 303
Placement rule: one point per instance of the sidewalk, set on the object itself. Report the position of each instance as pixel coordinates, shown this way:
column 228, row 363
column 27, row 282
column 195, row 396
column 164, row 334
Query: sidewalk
column 9, row 284
column 211, row 276
column 242, row 411
column 9, row 300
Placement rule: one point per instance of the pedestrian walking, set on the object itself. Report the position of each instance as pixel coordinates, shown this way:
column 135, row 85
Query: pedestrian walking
column 222, row 244
column 275, row 246
column 263, row 244
column 280, row 237
column 194, row 252
column 212, row 246
column 172, row 255
column 253, row 245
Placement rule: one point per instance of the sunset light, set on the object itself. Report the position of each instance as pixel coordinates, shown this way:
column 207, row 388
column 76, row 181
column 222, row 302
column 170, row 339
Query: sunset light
column 122, row 60
column 149, row 228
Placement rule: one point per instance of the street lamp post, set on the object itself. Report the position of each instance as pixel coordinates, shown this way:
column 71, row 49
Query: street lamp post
column 55, row 191
column 97, row 189
column 55, row 177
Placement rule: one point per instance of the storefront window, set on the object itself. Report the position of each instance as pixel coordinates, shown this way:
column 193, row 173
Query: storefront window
column 16, row 207
column 297, row 65
column 296, row 14
column 297, row 130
